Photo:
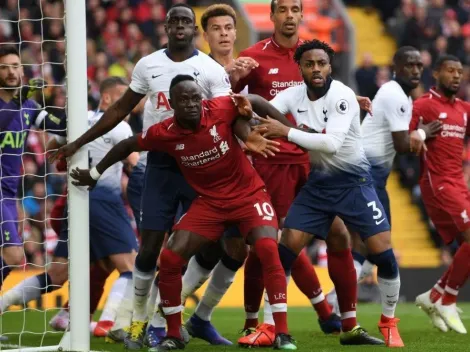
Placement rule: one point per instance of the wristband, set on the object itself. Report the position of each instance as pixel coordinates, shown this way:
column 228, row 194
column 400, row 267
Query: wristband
column 94, row 174
column 422, row 134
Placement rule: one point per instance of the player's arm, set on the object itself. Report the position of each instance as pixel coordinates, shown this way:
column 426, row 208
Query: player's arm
column 418, row 132
column 120, row 151
column 262, row 107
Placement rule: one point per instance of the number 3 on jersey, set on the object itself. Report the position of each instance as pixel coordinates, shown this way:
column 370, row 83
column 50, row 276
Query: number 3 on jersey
column 265, row 210
column 376, row 212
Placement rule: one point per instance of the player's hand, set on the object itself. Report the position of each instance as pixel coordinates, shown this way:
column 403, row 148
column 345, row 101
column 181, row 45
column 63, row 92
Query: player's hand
column 240, row 68
column 431, row 129
column 365, row 104
column 256, row 143
column 63, row 152
column 243, row 105
column 29, row 90
column 271, row 128
column 83, row 178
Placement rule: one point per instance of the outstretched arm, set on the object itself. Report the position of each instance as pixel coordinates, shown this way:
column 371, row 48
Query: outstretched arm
column 263, row 108
column 112, row 116
column 119, row 152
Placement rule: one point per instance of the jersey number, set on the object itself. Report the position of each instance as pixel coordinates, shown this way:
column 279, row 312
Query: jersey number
column 265, row 210
column 376, row 212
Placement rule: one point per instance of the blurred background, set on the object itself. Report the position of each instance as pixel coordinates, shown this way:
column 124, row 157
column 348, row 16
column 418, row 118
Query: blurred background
column 365, row 33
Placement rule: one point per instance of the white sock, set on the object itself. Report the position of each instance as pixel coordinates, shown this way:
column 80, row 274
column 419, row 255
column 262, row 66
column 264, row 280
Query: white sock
column 358, row 267
column 25, row 291
column 157, row 320
column 151, row 304
column 222, row 278
column 193, row 278
column 367, row 268
column 268, row 314
column 143, row 281
column 115, row 297
column 124, row 313
column 389, row 294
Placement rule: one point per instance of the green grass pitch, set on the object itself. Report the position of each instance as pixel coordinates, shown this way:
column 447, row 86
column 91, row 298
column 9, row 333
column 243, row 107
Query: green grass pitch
column 415, row 328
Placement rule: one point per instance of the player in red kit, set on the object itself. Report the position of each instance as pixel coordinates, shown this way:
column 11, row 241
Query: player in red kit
column 285, row 173
column 200, row 138
column 443, row 187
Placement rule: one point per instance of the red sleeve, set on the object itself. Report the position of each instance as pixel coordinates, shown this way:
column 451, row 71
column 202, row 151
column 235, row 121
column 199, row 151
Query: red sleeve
column 151, row 139
column 222, row 108
column 244, row 81
column 421, row 109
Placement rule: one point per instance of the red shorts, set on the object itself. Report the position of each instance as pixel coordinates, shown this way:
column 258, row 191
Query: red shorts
column 283, row 182
column 448, row 205
column 209, row 218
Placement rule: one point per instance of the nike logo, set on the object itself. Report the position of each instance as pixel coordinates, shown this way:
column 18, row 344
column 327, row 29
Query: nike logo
column 299, row 111
column 155, row 76
column 379, row 222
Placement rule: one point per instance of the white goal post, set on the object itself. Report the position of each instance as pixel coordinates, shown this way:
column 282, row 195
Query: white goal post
column 78, row 338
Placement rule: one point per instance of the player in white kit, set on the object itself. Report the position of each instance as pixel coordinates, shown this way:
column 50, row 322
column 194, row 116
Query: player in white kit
column 113, row 243
column 164, row 186
column 340, row 185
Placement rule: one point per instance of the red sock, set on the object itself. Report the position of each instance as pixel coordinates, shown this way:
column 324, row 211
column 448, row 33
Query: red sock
column 306, row 279
column 457, row 275
column 438, row 289
column 170, row 286
column 343, row 274
column 98, row 277
column 253, row 289
column 274, row 280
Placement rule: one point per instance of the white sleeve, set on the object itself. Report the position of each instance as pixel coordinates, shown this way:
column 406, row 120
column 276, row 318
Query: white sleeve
column 342, row 107
column 120, row 132
column 281, row 102
column 217, row 82
column 398, row 114
column 139, row 84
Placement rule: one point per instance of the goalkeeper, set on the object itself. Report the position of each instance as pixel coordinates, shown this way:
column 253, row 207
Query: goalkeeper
column 18, row 114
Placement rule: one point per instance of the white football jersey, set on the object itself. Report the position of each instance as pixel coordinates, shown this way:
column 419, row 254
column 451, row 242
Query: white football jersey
column 153, row 74
column 391, row 109
column 109, row 183
column 336, row 112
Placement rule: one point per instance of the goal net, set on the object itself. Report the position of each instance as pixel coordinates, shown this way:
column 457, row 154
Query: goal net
column 50, row 36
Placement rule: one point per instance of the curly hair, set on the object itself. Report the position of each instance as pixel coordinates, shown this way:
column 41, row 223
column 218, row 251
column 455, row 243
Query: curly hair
column 311, row 45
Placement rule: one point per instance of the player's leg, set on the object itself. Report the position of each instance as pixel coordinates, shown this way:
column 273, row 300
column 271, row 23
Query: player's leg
column 445, row 211
column 158, row 209
column 134, row 190
column 202, row 218
column 234, row 254
column 369, row 219
column 12, row 252
column 119, row 299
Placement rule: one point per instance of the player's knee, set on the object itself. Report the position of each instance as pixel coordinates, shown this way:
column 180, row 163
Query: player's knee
column 171, row 262
column 13, row 255
column 387, row 266
column 210, row 256
column 295, row 240
column 236, row 249
column 338, row 238
column 58, row 273
column 123, row 262
column 379, row 243
column 151, row 241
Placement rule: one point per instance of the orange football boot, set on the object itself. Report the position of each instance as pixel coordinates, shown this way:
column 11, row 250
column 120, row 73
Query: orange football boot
column 388, row 328
column 263, row 336
column 102, row 328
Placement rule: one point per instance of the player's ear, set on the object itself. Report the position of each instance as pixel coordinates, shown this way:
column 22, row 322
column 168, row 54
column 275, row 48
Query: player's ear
column 196, row 28
column 166, row 28
column 169, row 102
column 204, row 34
column 435, row 74
column 329, row 70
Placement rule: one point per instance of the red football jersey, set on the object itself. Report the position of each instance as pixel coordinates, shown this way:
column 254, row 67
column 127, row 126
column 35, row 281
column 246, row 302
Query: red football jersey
column 211, row 159
column 443, row 160
column 277, row 71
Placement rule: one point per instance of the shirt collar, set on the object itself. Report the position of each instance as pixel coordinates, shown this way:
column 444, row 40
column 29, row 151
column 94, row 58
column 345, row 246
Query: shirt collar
column 194, row 53
column 435, row 93
column 283, row 49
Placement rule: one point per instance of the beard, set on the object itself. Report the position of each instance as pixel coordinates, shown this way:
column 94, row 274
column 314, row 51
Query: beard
column 319, row 91
column 5, row 84
column 448, row 92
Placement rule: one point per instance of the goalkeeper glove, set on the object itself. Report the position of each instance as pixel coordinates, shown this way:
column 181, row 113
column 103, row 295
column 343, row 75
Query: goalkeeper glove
column 27, row 91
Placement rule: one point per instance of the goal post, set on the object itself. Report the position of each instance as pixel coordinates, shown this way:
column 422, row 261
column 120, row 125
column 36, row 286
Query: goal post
column 78, row 337
column 77, row 124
